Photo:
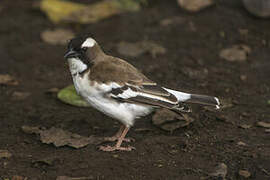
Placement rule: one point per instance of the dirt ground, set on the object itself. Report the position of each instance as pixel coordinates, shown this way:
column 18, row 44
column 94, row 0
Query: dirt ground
column 193, row 48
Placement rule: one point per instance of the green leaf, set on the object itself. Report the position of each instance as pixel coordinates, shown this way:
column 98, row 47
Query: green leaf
column 69, row 95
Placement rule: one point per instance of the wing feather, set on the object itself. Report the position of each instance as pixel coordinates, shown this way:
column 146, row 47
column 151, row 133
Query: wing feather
column 146, row 95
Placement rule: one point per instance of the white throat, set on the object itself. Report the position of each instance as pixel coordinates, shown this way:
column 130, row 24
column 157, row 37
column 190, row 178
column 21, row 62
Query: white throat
column 76, row 66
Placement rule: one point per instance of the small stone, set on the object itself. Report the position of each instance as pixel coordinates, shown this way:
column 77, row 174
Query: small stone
column 263, row 124
column 243, row 77
column 240, row 143
column 5, row 154
column 244, row 173
column 195, row 5
column 235, row 53
column 245, row 126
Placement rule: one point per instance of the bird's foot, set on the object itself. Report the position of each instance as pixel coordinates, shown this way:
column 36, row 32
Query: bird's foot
column 114, row 138
column 115, row 148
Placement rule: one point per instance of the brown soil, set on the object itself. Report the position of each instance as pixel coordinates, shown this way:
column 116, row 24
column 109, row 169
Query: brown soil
column 192, row 46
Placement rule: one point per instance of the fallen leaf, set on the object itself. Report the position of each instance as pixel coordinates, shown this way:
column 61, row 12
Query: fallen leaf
column 259, row 8
column 57, row 36
column 63, row 11
column 6, row 79
column 74, row 178
column 69, row 95
column 5, row 154
column 263, row 124
column 245, row 126
column 220, row 171
column 20, row 95
column 59, row 137
column 244, row 173
column 235, row 53
column 169, row 120
column 139, row 48
column 195, row 5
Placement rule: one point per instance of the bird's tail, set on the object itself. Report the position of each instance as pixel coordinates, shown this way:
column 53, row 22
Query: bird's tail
column 196, row 98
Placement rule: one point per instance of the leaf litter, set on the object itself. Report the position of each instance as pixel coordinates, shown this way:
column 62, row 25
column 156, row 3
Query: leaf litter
column 59, row 137
column 6, row 79
column 170, row 121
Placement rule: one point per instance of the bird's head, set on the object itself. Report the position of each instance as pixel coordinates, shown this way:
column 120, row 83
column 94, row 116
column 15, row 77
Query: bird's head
column 84, row 49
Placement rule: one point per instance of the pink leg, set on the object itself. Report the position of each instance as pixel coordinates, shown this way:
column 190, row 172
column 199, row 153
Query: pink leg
column 118, row 144
column 117, row 135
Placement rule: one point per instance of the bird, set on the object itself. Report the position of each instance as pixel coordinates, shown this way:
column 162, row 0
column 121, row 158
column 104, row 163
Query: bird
column 116, row 88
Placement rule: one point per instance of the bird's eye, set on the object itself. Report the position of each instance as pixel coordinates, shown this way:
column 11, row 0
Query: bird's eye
column 84, row 48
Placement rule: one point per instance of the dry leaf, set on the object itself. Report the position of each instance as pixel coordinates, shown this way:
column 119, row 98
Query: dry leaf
column 244, row 173
column 64, row 11
column 263, row 124
column 57, row 36
column 5, row 154
column 59, row 137
column 6, row 79
column 169, row 120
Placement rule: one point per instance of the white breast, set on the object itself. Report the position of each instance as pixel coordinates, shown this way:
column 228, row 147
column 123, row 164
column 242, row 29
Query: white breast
column 96, row 95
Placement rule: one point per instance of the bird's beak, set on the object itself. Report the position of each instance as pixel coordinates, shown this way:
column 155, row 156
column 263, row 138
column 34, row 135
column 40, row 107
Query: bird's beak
column 71, row 54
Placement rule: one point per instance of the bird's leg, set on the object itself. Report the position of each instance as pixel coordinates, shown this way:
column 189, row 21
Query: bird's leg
column 118, row 144
column 117, row 135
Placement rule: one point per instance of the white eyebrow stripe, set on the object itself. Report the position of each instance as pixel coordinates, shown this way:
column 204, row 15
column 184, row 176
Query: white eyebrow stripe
column 89, row 42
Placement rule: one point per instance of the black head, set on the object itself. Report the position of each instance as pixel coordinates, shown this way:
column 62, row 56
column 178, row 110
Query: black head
column 81, row 48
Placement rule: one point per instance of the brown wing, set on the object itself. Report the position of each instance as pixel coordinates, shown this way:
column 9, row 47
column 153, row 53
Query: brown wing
column 116, row 70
